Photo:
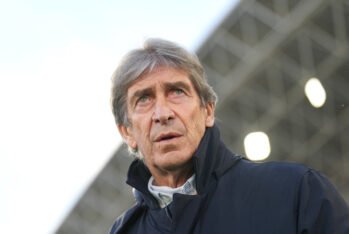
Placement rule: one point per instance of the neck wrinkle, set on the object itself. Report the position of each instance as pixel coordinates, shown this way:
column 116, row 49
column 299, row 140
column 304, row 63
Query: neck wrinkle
column 173, row 179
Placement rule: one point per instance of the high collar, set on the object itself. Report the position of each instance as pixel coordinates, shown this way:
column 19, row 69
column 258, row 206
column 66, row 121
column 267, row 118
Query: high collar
column 210, row 161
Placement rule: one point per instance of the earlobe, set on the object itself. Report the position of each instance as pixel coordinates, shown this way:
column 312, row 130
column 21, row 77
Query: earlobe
column 210, row 108
column 126, row 134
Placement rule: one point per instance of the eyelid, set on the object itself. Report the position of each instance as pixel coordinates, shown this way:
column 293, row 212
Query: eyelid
column 183, row 88
column 141, row 93
column 141, row 97
column 178, row 89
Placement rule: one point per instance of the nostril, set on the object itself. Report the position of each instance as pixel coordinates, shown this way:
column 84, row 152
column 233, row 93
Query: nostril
column 163, row 119
column 162, row 113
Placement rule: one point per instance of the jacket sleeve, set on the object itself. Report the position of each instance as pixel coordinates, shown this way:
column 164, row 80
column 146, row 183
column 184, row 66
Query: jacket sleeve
column 321, row 209
column 123, row 220
column 116, row 226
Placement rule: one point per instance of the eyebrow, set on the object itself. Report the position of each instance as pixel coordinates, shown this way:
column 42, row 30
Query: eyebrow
column 178, row 84
column 140, row 93
column 167, row 85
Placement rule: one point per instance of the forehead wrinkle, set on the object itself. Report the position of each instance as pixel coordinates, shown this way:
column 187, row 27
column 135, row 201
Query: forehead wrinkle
column 182, row 83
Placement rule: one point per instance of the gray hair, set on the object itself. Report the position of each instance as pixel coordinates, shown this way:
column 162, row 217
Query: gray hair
column 154, row 54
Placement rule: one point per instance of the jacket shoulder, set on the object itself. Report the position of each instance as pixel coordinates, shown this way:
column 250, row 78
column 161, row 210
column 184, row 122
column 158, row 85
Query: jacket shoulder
column 268, row 176
column 294, row 170
column 124, row 218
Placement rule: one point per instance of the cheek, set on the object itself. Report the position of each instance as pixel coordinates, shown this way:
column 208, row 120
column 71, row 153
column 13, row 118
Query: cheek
column 197, row 126
column 142, row 131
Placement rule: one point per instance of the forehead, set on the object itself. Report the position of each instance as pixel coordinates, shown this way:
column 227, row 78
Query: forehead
column 157, row 77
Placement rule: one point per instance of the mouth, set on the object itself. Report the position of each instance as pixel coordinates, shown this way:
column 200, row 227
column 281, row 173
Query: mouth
column 167, row 137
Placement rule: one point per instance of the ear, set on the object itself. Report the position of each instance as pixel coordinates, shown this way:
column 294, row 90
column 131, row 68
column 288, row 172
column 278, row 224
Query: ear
column 126, row 133
column 210, row 108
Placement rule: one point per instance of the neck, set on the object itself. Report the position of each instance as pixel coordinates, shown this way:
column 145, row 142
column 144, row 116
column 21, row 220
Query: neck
column 172, row 179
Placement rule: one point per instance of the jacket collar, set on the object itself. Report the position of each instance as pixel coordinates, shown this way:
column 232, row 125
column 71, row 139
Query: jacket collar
column 210, row 161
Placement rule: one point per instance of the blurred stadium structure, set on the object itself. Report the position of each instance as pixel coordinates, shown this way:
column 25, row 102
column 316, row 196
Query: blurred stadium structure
column 258, row 61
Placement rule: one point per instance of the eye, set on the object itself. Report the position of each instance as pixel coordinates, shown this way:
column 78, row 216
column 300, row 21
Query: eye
column 143, row 99
column 177, row 91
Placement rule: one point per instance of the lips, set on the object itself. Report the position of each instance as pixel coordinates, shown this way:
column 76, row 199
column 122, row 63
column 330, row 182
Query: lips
column 166, row 136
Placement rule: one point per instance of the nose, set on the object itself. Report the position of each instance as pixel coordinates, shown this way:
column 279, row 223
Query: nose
column 162, row 112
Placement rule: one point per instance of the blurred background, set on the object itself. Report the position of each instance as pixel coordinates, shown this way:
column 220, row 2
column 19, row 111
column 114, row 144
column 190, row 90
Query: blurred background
column 279, row 68
column 57, row 132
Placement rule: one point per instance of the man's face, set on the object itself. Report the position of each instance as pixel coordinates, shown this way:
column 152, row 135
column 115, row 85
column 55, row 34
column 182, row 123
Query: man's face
column 167, row 120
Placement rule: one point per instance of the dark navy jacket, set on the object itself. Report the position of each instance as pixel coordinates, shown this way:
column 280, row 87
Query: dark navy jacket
column 238, row 196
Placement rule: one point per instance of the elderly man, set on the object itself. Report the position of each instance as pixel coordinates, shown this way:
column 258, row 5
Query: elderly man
column 185, row 180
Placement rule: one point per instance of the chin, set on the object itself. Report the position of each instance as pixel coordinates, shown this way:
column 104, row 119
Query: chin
column 172, row 162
